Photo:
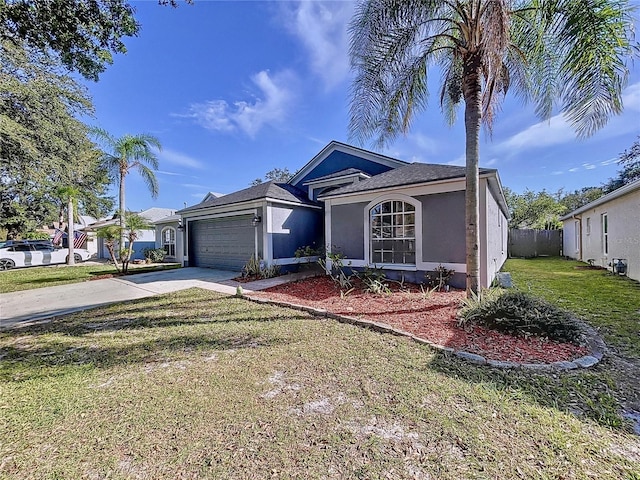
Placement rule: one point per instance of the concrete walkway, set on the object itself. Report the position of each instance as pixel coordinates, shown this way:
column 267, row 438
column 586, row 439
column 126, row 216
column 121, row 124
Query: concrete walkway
column 47, row 302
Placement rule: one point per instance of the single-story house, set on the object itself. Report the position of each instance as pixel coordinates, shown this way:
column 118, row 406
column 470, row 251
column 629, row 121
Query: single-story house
column 607, row 231
column 377, row 211
column 146, row 238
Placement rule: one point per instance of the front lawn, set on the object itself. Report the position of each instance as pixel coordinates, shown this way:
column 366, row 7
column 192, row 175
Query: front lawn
column 38, row 277
column 198, row 385
column 608, row 302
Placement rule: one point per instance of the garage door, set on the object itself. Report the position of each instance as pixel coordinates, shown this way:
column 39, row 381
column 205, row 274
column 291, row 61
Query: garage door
column 225, row 243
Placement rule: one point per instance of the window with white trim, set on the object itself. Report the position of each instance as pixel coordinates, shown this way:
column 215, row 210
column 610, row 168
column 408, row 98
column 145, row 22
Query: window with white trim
column 605, row 233
column 393, row 233
column 169, row 241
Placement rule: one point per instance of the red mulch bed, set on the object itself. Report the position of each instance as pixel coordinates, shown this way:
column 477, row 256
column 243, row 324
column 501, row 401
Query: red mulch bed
column 432, row 318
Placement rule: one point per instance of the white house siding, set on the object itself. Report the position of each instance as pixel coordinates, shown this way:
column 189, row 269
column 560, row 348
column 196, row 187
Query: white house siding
column 623, row 215
column 571, row 238
column 494, row 230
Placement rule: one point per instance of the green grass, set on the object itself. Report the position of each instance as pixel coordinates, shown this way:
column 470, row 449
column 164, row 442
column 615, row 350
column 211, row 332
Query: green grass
column 37, row 277
column 609, row 303
column 198, row 385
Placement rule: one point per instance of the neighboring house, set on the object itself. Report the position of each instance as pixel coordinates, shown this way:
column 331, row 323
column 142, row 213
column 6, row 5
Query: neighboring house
column 375, row 210
column 146, row 238
column 607, row 229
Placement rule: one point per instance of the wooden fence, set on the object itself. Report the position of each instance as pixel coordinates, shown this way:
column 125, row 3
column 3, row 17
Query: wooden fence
column 535, row 243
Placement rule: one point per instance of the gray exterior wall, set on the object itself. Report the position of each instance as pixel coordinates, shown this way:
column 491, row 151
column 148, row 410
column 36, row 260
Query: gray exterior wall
column 295, row 227
column 494, row 229
column 443, row 227
column 347, row 230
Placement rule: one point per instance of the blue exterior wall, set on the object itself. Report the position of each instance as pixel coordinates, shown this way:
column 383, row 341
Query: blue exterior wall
column 295, row 227
column 138, row 247
column 337, row 161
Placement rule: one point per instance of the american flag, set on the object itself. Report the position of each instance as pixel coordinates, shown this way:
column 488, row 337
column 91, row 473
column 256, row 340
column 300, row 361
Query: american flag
column 78, row 239
column 58, row 236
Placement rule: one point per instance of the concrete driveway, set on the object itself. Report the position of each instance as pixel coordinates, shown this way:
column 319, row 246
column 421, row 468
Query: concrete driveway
column 42, row 303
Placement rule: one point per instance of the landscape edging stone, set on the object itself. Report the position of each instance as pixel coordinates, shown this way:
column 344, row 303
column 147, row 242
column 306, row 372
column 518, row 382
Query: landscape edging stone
column 590, row 337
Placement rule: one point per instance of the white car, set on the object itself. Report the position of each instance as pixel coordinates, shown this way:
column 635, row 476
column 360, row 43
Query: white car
column 31, row 254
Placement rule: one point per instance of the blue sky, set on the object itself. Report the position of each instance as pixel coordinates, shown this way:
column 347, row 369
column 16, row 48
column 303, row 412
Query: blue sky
column 235, row 89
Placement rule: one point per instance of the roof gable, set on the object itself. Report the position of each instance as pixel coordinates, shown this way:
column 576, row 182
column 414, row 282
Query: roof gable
column 337, row 156
column 619, row 192
column 408, row 174
column 270, row 190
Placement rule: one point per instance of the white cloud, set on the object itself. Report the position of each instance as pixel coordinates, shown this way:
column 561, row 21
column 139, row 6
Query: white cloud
column 269, row 107
column 557, row 172
column 180, row 159
column 557, row 131
column 322, row 29
column 588, row 166
column 631, row 97
column 172, row 174
column 574, row 169
column 192, row 185
column 491, row 162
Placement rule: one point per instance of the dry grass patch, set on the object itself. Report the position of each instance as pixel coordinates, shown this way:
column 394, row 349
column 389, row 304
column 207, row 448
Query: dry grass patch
column 196, row 385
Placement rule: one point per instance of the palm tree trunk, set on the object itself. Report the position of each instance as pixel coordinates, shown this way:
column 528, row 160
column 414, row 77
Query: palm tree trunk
column 70, row 236
column 121, row 212
column 472, row 91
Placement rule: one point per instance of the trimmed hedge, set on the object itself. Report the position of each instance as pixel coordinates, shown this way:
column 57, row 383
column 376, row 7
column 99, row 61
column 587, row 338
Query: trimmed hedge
column 517, row 313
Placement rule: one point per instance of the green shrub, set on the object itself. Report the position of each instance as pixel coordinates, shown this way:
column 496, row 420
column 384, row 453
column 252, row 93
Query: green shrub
column 519, row 314
column 37, row 236
column 155, row 255
column 255, row 268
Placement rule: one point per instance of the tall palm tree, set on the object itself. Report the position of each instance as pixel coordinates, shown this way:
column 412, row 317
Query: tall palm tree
column 127, row 153
column 565, row 53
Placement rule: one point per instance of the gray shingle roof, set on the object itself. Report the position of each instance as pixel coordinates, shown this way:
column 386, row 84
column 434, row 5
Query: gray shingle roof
column 411, row 174
column 341, row 173
column 278, row 191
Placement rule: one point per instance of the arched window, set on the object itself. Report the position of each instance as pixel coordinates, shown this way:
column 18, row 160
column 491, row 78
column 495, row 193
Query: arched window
column 393, row 232
column 169, row 241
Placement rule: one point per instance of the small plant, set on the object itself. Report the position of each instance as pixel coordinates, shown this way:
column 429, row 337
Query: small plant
column 154, row 255
column 256, row 268
column 307, row 251
column 251, row 268
column 518, row 313
column 337, row 271
column 374, row 281
column 426, row 292
column 440, row 278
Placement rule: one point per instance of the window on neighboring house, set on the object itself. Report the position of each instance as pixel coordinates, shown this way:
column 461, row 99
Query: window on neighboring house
column 169, row 241
column 576, row 228
column 605, row 234
column 588, row 226
column 393, row 232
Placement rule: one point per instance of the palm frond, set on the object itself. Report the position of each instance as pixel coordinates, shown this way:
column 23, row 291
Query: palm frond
column 149, row 179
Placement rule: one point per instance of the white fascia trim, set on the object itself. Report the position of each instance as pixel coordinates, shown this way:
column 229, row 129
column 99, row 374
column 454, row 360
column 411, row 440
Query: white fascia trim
column 399, row 197
column 336, row 180
column 327, row 232
column 295, row 204
column 420, row 266
column 295, row 260
column 442, row 186
column 356, row 152
column 231, row 210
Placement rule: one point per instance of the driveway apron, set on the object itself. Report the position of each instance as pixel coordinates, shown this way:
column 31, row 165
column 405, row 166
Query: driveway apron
column 43, row 303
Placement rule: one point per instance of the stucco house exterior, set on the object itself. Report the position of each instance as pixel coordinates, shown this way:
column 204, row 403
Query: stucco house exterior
column 146, row 238
column 377, row 211
column 606, row 230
